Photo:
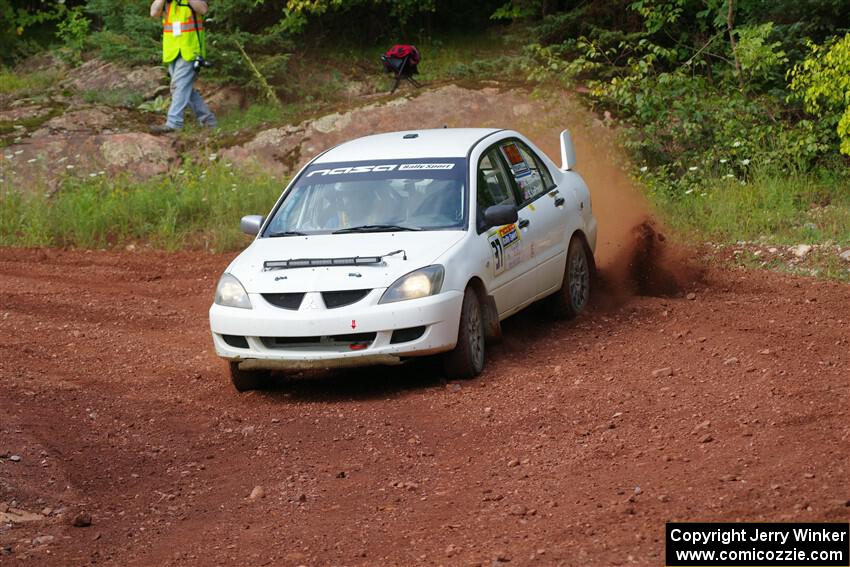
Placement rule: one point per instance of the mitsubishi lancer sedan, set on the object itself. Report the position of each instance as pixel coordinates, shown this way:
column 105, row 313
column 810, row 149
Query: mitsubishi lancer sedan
column 404, row 245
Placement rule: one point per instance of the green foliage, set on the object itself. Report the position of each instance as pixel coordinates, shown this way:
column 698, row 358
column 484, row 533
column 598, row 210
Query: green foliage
column 158, row 105
column 125, row 31
column 126, row 49
column 686, row 114
column 678, row 121
column 822, row 81
column 72, row 30
column 21, row 24
column 517, row 10
column 250, row 60
column 401, row 11
column 198, row 207
column 759, row 57
column 658, row 14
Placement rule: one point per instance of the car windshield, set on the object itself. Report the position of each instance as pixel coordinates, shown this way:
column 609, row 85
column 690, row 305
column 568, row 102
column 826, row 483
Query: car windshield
column 416, row 194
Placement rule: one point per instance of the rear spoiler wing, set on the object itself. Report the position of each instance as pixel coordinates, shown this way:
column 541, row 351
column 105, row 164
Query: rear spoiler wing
column 568, row 151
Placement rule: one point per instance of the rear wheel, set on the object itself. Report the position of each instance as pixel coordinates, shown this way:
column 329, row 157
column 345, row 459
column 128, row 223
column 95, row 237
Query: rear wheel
column 467, row 358
column 245, row 380
column 574, row 294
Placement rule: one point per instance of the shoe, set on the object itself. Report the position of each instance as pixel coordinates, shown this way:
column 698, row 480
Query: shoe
column 157, row 130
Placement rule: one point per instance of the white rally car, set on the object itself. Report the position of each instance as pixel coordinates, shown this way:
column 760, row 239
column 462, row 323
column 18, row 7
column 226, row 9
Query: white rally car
column 401, row 245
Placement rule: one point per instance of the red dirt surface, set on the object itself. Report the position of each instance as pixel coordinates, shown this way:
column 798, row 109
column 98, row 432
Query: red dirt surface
column 575, row 446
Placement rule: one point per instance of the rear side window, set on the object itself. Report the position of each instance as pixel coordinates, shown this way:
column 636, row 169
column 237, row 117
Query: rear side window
column 531, row 176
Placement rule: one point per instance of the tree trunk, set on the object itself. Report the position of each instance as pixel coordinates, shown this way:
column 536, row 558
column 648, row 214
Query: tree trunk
column 730, row 18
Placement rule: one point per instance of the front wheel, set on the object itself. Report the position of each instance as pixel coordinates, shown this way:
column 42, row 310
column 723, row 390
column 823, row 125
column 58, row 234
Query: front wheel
column 467, row 358
column 574, row 294
column 245, row 380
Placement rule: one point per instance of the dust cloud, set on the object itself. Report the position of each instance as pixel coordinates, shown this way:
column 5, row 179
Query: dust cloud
column 632, row 253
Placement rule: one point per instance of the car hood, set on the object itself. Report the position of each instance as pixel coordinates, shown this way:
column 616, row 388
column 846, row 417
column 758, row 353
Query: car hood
column 421, row 248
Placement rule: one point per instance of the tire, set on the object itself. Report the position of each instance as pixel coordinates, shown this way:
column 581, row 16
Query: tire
column 245, row 380
column 574, row 294
column 467, row 358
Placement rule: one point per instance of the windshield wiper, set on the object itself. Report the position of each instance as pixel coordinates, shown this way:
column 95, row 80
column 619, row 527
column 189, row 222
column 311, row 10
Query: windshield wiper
column 375, row 228
column 285, row 233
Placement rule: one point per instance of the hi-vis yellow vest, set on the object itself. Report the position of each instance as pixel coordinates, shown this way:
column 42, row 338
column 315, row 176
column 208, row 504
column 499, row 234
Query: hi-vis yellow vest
column 179, row 37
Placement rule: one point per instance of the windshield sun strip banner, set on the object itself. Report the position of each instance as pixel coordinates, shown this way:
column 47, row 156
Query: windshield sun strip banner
column 421, row 168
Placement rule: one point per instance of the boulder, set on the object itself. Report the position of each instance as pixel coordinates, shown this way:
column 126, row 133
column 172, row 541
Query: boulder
column 143, row 154
column 24, row 113
column 103, row 76
column 224, row 99
column 40, row 163
column 82, row 120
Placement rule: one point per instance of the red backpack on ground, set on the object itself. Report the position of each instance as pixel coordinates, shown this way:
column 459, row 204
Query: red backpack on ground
column 401, row 50
column 402, row 60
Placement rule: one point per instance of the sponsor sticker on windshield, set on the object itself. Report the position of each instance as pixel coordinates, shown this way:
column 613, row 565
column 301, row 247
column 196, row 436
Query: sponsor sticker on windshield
column 379, row 168
column 417, row 166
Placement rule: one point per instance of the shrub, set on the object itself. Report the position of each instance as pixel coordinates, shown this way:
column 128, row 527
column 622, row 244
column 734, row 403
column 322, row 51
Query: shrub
column 822, row 81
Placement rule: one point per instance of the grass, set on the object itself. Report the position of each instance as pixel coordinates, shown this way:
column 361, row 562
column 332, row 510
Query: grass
column 13, row 82
column 491, row 55
column 771, row 208
column 261, row 114
column 195, row 208
column 761, row 219
column 472, row 57
column 120, row 97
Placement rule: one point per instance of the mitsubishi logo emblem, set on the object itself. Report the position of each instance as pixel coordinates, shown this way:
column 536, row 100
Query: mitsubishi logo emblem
column 310, row 303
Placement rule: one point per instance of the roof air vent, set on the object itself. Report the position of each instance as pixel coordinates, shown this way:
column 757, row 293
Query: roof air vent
column 410, row 136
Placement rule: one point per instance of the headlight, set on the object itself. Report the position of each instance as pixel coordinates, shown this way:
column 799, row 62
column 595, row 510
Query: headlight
column 230, row 293
column 420, row 283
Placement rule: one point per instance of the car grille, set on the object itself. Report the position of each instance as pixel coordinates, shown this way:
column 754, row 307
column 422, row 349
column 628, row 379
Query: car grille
column 285, row 300
column 361, row 340
column 334, row 299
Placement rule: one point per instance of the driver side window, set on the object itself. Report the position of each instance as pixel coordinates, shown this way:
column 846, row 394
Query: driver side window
column 493, row 185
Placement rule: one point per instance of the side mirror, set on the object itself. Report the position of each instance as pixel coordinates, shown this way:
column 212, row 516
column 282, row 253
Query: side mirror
column 251, row 224
column 497, row 215
column 568, row 151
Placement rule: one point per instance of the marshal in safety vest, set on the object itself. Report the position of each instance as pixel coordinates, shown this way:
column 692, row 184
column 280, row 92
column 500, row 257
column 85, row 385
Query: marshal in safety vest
column 182, row 33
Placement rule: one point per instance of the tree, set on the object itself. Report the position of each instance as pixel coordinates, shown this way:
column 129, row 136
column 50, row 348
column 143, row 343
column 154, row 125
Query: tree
column 822, row 81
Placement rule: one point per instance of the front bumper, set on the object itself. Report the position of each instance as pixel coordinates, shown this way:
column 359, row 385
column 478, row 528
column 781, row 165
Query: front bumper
column 264, row 325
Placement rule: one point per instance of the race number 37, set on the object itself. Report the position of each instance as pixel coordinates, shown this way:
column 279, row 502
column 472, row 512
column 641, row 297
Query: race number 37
column 503, row 243
column 498, row 252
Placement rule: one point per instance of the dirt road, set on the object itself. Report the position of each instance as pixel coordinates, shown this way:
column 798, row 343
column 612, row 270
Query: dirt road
column 575, row 446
